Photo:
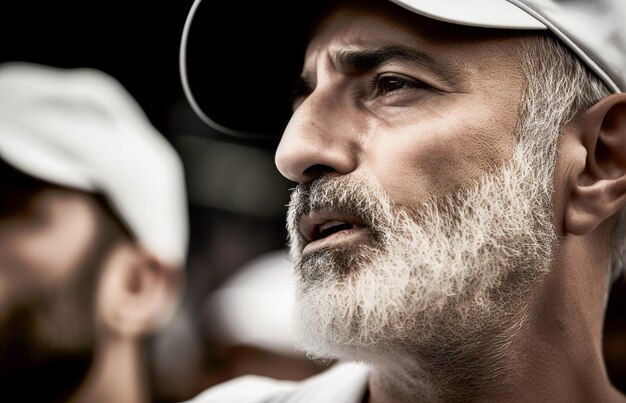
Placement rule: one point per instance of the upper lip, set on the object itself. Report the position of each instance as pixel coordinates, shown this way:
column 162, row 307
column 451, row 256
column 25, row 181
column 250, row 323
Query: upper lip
column 311, row 223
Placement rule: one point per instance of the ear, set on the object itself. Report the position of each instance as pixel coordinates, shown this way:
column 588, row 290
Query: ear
column 598, row 188
column 136, row 292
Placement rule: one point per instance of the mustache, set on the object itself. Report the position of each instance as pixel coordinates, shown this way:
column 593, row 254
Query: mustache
column 350, row 195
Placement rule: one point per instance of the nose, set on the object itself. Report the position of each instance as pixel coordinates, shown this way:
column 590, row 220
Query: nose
column 321, row 138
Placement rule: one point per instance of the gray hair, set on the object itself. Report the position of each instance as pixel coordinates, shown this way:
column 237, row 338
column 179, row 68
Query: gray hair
column 559, row 85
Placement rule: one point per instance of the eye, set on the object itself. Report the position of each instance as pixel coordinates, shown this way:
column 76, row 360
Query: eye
column 388, row 83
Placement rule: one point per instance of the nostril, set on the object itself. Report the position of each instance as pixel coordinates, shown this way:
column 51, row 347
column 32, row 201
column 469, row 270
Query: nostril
column 317, row 171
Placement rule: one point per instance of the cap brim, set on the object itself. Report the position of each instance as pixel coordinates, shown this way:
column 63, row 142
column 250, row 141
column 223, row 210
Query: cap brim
column 236, row 59
column 239, row 60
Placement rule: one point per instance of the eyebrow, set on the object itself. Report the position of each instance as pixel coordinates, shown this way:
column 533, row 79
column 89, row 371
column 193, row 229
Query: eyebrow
column 360, row 61
column 357, row 61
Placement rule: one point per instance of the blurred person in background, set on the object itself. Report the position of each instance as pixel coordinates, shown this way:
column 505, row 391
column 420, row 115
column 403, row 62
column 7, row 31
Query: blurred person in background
column 93, row 236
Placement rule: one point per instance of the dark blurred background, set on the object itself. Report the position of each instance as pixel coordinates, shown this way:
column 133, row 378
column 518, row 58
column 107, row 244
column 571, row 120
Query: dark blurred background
column 236, row 195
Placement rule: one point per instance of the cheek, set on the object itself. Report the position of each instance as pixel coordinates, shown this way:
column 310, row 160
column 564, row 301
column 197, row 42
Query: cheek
column 46, row 252
column 53, row 252
column 419, row 161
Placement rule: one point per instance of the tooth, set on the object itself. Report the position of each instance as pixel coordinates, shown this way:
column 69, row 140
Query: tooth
column 330, row 224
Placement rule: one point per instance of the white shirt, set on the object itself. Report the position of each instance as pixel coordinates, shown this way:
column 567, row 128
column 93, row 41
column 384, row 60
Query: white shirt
column 342, row 383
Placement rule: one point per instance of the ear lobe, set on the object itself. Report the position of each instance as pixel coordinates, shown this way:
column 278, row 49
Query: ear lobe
column 136, row 293
column 599, row 190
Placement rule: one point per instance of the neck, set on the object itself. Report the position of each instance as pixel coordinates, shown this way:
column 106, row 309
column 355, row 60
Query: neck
column 463, row 369
column 117, row 375
column 555, row 355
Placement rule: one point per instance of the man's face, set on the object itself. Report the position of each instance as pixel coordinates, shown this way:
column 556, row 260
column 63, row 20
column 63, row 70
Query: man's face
column 416, row 223
column 46, row 292
column 419, row 107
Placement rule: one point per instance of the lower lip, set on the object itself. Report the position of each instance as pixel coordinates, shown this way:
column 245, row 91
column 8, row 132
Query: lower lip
column 338, row 239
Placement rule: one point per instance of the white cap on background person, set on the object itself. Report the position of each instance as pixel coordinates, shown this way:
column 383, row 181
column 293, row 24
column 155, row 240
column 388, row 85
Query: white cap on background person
column 81, row 129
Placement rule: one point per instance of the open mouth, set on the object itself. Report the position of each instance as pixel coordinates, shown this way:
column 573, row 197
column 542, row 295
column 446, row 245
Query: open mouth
column 328, row 228
column 332, row 227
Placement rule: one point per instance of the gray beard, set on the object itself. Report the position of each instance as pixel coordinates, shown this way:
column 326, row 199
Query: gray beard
column 446, row 282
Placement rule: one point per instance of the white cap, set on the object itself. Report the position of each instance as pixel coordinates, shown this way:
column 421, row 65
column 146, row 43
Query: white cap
column 81, row 129
column 215, row 64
